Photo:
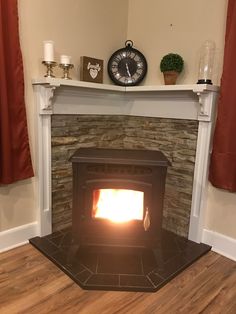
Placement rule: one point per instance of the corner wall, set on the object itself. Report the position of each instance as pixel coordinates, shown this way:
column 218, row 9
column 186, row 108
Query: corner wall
column 158, row 27
column 78, row 27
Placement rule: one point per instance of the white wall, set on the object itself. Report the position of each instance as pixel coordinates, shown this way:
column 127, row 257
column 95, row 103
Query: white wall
column 221, row 212
column 78, row 27
column 161, row 26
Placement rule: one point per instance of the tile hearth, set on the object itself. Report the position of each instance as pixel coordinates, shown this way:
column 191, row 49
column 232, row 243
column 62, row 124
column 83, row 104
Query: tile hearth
column 119, row 268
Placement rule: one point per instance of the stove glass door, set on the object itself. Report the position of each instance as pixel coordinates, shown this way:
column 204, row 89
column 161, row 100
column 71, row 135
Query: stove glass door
column 118, row 205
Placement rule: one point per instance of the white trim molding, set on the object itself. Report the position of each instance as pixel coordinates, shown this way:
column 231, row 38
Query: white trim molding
column 17, row 236
column 194, row 102
column 220, row 243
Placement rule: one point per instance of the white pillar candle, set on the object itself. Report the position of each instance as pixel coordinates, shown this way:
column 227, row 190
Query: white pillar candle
column 65, row 59
column 48, row 46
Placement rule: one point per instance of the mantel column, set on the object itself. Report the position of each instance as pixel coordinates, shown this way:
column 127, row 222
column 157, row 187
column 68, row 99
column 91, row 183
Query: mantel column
column 44, row 98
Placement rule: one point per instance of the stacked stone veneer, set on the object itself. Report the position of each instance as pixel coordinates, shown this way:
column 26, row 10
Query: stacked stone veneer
column 175, row 138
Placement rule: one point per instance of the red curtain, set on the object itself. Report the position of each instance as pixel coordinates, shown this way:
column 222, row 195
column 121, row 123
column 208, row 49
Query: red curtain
column 223, row 160
column 15, row 160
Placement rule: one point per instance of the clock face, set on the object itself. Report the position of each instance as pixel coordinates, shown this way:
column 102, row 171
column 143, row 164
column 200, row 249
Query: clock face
column 127, row 66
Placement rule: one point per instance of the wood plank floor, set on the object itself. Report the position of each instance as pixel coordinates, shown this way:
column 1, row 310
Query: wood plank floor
column 30, row 283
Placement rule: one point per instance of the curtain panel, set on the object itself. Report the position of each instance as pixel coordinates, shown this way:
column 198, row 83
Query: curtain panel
column 223, row 159
column 15, row 160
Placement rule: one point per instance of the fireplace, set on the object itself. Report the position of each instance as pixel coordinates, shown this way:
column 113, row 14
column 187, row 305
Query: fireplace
column 118, row 196
column 112, row 256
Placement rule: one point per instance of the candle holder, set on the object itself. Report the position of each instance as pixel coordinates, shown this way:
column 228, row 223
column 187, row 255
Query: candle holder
column 206, row 62
column 49, row 65
column 66, row 70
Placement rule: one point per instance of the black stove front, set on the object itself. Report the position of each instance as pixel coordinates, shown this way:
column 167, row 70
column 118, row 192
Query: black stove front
column 118, row 196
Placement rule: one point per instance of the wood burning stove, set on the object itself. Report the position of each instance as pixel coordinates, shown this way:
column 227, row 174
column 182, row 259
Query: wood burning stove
column 118, row 196
column 116, row 241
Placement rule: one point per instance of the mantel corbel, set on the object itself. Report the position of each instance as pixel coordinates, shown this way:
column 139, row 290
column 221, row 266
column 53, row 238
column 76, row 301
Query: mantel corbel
column 205, row 105
column 46, row 101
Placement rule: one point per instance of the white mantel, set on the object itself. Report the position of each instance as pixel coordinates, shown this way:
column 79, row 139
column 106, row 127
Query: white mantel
column 59, row 96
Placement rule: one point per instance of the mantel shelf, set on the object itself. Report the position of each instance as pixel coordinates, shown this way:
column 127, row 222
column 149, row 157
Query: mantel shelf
column 62, row 96
column 56, row 82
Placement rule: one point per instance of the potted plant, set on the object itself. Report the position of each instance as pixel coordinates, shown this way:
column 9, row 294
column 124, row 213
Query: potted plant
column 171, row 65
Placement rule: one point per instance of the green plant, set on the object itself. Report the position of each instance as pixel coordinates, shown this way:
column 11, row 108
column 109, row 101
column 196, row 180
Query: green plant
column 172, row 62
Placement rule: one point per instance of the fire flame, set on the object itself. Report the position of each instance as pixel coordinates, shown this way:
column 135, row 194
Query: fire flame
column 118, row 205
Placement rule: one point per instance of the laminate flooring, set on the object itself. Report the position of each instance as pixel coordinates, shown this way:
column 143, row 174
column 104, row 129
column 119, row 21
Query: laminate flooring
column 30, row 283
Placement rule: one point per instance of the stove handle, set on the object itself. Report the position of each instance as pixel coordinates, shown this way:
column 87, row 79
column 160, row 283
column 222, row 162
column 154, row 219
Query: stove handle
column 146, row 221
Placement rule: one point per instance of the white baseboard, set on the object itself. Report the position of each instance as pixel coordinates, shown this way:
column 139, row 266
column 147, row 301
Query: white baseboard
column 220, row 243
column 14, row 237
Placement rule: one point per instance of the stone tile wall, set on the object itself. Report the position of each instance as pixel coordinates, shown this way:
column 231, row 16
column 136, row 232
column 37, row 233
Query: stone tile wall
column 175, row 138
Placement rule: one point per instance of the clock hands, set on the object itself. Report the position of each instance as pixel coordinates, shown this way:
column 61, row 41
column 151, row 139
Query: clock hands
column 127, row 69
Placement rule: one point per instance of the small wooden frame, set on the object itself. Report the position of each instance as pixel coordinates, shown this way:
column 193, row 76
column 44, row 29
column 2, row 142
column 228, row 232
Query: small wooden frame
column 91, row 70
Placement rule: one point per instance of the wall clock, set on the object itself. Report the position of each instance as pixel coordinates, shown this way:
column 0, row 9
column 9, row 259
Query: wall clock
column 127, row 66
